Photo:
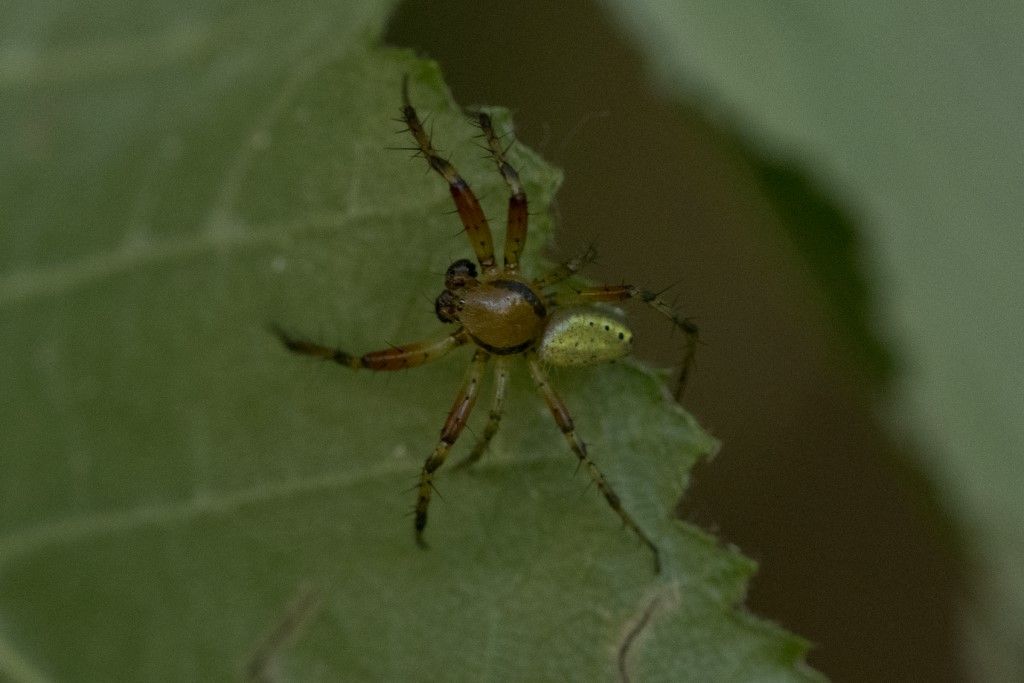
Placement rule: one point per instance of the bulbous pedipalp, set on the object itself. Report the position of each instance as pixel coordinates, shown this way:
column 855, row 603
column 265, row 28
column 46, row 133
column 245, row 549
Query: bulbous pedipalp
column 459, row 274
column 446, row 306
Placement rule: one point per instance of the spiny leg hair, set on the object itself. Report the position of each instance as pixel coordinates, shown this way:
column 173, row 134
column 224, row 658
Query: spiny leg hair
column 453, row 426
column 394, row 358
column 501, row 375
column 518, row 217
column 472, row 216
column 564, row 421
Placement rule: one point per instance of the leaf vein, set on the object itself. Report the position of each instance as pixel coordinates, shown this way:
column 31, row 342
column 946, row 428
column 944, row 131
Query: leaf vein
column 14, row 666
column 72, row 530
column 52, row 280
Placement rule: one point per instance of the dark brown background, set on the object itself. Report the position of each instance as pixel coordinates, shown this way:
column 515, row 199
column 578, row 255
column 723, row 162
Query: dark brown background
column 854, row 556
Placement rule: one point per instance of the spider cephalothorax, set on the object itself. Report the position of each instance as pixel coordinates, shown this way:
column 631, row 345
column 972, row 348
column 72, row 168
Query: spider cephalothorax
column 500, row 312
column 504, row 314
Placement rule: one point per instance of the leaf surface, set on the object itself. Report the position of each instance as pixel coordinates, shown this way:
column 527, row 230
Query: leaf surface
column 173, row 479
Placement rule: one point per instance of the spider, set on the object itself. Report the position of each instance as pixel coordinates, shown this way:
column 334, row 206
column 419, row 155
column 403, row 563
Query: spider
column 505, row 314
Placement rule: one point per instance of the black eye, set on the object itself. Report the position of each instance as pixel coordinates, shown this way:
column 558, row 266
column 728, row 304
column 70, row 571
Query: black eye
column 459, row 273
column 445, row 307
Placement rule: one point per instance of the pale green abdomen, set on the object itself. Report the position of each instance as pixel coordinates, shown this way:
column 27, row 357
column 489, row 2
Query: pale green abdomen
column 584, row 336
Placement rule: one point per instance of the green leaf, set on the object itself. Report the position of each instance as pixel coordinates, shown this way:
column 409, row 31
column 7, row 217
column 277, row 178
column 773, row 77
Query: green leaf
column 182, row 499
column 910, row 114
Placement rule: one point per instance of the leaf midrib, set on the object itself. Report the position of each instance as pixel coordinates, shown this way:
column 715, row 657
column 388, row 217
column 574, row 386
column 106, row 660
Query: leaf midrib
column 19, row 286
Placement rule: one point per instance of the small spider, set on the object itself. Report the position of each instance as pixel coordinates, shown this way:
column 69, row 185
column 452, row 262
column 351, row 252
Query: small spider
column 504, row 314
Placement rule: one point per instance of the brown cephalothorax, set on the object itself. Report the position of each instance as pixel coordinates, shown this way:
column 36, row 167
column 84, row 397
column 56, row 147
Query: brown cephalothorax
column 504, row 314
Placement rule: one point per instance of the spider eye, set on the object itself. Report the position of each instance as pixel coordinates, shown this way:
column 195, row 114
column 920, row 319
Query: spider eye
column 445, row 306
column 459, row 273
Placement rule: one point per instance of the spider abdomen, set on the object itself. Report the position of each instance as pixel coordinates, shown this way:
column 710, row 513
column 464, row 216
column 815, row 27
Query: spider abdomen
column 584, row 336
column 503, row 316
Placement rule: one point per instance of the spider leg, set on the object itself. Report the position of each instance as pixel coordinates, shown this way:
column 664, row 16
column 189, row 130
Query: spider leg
column 453, row 426
column 394, row 358
column 470, row 213
column 565, row 423
column 494, row 419
column 566, row 270
column 652, row 299
column 516, row 227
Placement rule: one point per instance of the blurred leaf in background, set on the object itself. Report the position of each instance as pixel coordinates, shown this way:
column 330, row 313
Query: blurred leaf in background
column 911, row 114
column 175, row 178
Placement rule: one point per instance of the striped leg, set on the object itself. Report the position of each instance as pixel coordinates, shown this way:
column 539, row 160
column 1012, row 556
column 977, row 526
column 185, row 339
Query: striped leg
column 516, row 227
column 497, row 408
column 564, row 421
column 457, row 418
column 395, row 358
column 470, row 213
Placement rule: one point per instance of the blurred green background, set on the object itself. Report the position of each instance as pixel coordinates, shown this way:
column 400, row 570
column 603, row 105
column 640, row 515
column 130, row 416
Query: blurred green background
column 833, row 193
